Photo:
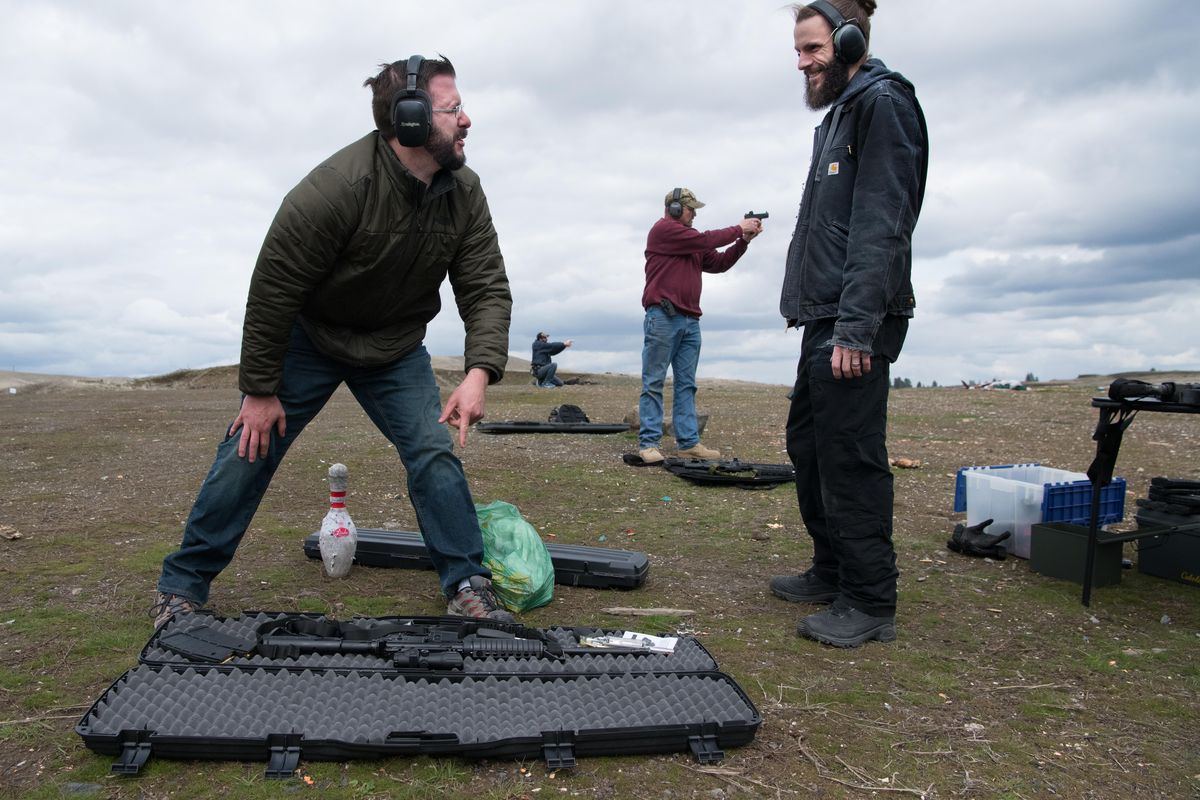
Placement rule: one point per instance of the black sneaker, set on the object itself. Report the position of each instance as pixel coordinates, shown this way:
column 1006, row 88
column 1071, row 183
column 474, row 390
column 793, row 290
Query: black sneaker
column 842, row 625
column 478, row 601
column 806, row 588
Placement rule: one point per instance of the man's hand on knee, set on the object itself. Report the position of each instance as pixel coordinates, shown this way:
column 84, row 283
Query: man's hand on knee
column 257, row 416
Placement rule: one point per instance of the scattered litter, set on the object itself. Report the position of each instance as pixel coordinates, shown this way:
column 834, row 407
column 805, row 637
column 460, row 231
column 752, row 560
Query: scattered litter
column 905, row 463
column 1166, row 620
column 632, row 639
column 10, row 533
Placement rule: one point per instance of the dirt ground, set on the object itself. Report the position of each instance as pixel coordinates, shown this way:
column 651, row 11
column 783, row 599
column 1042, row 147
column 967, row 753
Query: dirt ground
column 1001, row 683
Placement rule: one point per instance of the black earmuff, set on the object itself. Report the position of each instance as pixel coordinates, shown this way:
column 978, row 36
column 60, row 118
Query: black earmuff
column 412, row 110
column 675, row 207
column 849, row 43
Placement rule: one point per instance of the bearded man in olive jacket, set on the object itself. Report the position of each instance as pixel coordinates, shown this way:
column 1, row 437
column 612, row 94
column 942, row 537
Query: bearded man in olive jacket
column 345, row 284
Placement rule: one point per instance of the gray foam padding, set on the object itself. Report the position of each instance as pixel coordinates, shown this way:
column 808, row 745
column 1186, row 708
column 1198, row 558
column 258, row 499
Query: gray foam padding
column 689, row 655
column 368, row 707
column 218, row 712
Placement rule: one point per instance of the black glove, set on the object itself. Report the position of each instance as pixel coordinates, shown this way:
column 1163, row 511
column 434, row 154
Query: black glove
column 973, row 541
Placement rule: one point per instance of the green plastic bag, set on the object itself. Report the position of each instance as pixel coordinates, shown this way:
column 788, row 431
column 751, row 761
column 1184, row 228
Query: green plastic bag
column 522, row 571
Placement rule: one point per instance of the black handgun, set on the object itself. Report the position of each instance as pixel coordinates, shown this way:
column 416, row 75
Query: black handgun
column 756, row 215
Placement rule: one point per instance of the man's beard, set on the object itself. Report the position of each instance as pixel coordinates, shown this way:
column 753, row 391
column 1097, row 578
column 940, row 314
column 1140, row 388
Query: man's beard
column 836, row 79
column 443, row 152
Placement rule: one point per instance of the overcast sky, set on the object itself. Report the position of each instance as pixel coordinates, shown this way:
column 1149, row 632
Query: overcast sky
column 146, row 146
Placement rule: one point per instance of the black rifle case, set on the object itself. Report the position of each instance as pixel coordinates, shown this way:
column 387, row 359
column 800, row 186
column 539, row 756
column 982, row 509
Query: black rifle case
column 574, row 564
column 202, row 692
column 529, row 426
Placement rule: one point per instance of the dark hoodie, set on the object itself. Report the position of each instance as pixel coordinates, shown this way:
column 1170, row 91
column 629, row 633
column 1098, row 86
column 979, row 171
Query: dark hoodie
column 850, row 258
column 543, row 350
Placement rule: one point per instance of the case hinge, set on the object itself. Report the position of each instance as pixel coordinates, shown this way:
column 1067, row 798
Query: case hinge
column 283, row 755
column 135, row 749
column 704, row 744
column 558, row 749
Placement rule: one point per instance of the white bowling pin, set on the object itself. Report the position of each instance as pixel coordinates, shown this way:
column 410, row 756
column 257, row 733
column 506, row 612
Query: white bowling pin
column 338, row 538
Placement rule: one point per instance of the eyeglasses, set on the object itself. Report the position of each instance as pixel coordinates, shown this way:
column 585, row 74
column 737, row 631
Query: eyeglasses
column 458, row 109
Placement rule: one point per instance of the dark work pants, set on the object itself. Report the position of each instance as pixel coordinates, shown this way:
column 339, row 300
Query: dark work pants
column 836, row 440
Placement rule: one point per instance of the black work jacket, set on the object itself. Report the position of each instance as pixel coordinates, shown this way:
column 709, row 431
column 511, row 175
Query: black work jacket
column 850, row 258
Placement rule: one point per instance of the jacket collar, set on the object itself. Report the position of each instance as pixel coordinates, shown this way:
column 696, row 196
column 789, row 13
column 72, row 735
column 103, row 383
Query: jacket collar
column 443, row 180
column 872, row 71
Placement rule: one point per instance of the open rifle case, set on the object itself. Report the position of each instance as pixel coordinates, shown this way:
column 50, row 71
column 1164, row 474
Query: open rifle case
column 574, row 565
column 730, row 472
column 276, row 687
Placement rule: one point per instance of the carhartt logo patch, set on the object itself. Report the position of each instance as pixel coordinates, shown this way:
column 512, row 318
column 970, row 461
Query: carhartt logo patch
column 833, row 167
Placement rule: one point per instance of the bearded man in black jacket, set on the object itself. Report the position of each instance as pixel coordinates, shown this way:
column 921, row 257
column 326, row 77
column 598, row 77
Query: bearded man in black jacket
column 848, row 284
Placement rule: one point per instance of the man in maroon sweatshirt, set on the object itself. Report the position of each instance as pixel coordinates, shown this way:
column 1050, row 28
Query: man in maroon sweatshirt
column 676, row 255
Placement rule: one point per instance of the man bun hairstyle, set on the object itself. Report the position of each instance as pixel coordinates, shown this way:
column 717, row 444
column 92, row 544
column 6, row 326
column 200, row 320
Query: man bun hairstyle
column 392, row 79
column 859, row 11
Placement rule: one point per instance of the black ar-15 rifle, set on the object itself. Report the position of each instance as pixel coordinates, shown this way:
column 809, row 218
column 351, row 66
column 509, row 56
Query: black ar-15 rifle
column 434, row 646
column 430, row 643
column 1187, row 394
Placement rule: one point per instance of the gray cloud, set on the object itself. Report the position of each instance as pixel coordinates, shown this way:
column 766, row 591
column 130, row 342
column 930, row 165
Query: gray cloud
column 148, row 146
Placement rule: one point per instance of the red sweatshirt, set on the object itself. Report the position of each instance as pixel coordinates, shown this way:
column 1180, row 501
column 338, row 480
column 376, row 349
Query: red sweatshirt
column 677, row 254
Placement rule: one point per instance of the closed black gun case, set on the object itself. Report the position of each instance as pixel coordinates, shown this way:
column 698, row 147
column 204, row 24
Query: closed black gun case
column 274, row 687
column 574, row 564
column 529, row 426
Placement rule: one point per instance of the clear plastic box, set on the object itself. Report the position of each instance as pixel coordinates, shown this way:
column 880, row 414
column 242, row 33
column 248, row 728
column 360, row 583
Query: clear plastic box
column 1016, row 496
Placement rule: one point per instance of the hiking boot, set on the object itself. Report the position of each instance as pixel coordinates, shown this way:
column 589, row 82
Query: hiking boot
column 699, row 451
column 478, row 601
column 804, row 588
column 651, row 455
column 168, row 605
column 841, row 625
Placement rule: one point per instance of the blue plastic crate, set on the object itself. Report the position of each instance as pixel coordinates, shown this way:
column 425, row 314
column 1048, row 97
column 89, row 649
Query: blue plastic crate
column 1072, row 503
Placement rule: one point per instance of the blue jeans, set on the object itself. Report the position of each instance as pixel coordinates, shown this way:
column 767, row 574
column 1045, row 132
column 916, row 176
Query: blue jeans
column 546, row 375
column 402, row 400
column 672, row 341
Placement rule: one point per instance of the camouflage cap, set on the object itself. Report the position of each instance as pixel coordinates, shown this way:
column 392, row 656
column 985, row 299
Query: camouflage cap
column 685, row 197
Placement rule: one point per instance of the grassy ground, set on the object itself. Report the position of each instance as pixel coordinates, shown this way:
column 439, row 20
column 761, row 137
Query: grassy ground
column 1001, row 685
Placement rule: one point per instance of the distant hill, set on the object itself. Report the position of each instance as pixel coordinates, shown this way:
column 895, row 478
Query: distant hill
column 446, row 369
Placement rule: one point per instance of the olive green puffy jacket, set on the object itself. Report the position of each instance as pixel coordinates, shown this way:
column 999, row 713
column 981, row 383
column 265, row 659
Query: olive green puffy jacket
column 357, row 252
